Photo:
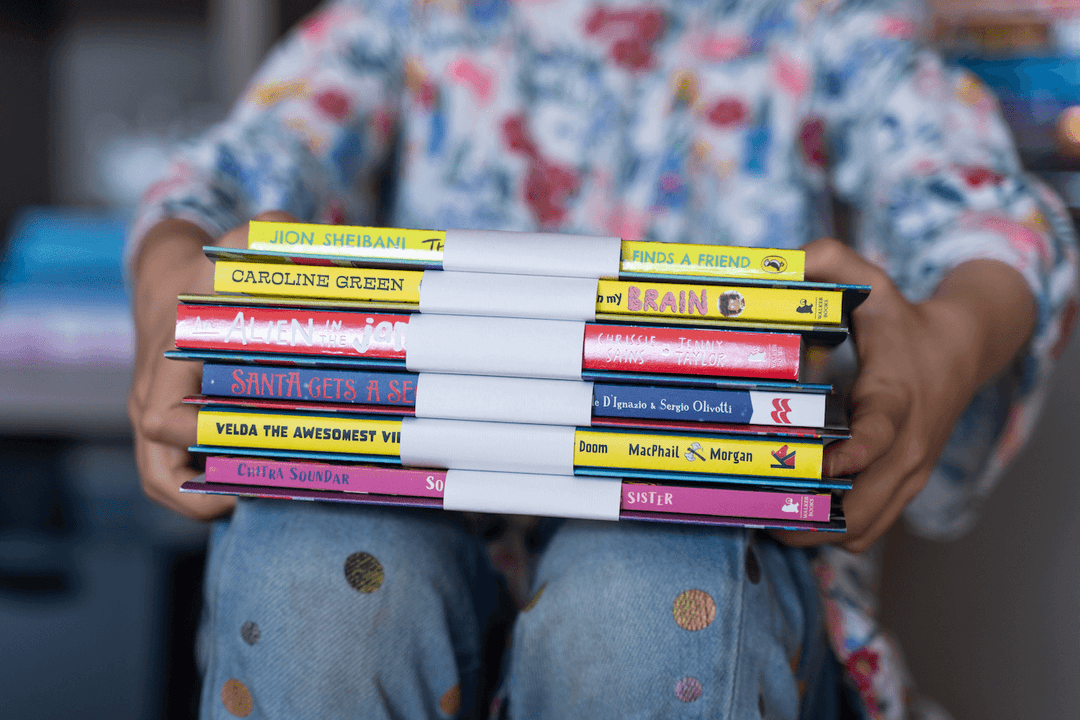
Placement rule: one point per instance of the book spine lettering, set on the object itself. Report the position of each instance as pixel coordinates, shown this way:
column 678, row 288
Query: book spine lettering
column 376, row 243
column 712, row 261
column 315, row 433
column 336, row 283
column 719, row 302
column 336, row 386
column 768, row 457
column 346, row 478
column 692, row 351
column 303, row 239
column 813, row 507
column 689, row 500
column 705, row 405
column 287, row 330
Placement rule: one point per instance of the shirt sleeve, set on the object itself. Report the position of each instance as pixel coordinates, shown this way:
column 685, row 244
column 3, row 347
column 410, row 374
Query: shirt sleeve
column 306, row 136
column 920, row 150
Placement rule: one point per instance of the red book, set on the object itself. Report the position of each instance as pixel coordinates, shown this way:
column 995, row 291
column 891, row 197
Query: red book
column 692, row 351
column 291, row 330
column 611, row 348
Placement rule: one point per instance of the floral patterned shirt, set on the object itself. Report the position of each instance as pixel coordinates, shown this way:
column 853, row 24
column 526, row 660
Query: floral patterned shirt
column 703, row 121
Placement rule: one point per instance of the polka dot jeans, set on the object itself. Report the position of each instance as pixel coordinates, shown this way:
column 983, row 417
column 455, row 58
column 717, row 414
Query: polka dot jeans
column 318, row 610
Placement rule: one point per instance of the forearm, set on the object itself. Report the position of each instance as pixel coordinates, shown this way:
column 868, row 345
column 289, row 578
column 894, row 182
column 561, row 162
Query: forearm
column 170, row 243
column 985, row 312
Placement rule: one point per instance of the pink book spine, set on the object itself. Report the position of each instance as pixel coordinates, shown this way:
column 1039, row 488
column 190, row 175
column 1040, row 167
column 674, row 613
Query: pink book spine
column 319, row 476
column 812, row 507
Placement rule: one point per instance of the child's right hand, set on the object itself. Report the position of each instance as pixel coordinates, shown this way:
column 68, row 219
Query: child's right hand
column 171, row 262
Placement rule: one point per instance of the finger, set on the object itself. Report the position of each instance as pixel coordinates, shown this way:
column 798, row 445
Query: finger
column 829, row 260
column 874, row 493
column 879, row 494
column 877, row 524
column 876, row 419
column 865, row 521
column 165, row 417
column 164, row 469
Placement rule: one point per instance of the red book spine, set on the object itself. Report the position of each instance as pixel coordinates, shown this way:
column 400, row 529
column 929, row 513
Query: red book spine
column 290, row 330
column 622, row 348
column 692, row 351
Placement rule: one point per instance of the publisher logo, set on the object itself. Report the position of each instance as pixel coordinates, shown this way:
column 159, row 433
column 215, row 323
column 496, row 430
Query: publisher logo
column 774, row 264
column 781, row 408
column 784, row 460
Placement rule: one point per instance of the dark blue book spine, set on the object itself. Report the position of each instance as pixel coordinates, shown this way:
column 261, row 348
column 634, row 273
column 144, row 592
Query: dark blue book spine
column 672, row 403
column 320, row 385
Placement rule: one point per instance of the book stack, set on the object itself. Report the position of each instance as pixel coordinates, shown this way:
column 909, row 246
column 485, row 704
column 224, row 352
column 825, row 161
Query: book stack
column 517, row 373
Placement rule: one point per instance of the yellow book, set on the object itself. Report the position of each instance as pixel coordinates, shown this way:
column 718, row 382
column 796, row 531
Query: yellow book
column 720, row 302
column 354, row 241
column 697, row 454
column 389, row 244
column 338, row 283
column 713, row 260
column 756, row 457
column 273, row 431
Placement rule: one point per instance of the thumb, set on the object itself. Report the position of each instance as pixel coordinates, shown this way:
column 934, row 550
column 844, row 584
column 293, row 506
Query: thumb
column 829, row 260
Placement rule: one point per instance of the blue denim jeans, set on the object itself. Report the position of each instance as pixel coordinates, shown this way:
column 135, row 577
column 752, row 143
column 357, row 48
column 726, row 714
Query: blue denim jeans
column 325, row 611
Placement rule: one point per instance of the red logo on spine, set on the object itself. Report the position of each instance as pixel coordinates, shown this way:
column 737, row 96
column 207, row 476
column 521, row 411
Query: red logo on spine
column 784, row 460
column 781, row 408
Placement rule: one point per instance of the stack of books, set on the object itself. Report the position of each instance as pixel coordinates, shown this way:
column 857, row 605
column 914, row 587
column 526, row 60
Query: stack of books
column 517, row 373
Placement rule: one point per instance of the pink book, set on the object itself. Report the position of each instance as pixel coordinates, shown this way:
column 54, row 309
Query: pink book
column 321, row 476
column 636, row 496
column 705, row 500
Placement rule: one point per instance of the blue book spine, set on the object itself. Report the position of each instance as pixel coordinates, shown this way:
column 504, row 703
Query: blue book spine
column 320, row 385
column 672, row 403
column 755, row 407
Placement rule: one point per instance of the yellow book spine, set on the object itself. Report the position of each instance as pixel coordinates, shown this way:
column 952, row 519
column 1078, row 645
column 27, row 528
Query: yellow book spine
column 336, row 283
column 348, row 241
column 404, row 244
column 695, row 454
column 273, row 431
column 719, row 302
column 713, row 261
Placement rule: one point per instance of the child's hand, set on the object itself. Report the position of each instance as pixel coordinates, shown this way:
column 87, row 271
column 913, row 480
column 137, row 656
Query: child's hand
column 171, row 262
column 919, row 367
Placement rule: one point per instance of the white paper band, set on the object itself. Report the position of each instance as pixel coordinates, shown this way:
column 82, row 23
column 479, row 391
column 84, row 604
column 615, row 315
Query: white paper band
column 521, row 253
column 519, row 296
column 495, row 346
column 804, row 409
column 527, row 494
column 507, row 447
column 503, row 399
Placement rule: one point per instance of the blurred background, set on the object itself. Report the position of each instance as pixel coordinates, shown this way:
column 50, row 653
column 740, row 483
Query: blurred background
column 100, row 589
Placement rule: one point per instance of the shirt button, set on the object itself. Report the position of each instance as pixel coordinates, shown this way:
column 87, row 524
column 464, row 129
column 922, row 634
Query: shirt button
column 753, row 569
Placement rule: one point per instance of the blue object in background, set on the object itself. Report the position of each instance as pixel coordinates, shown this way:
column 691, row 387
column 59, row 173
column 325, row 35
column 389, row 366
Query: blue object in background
column 1033, row 92
column 70, row 252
